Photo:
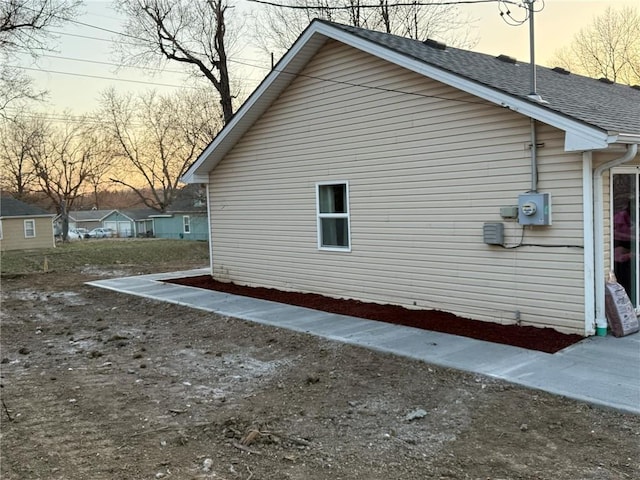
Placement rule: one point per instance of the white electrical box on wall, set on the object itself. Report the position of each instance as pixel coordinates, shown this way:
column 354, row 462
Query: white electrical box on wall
column 534, row 209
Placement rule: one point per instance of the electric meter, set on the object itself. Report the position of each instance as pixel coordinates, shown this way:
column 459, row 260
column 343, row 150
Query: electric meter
column 529, row 208
column 534, row 209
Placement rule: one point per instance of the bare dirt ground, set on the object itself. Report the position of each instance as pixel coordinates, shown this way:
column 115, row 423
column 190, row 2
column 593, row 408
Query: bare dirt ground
column 100, row 385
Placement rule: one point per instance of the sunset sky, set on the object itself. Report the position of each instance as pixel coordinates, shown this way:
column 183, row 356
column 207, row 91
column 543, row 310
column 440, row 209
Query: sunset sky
column 82, row 66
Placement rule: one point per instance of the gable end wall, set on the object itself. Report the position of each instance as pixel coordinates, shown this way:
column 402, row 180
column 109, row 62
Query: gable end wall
column 427, row 165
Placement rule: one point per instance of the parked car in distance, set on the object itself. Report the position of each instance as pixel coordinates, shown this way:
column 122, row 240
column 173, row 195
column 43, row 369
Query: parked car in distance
column 74, row 234
column 101, row 233
column 82, row 232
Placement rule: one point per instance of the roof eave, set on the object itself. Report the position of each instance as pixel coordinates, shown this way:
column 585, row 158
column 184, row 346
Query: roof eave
column 579, row 136
column 575, row 141
column 628, row 138
column 592, row 137
column 42, row 215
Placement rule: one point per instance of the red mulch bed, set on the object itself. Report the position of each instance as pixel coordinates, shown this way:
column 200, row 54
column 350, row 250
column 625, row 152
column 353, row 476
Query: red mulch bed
column 533, row 338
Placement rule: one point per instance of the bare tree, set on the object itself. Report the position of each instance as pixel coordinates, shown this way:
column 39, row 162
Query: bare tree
column 158, row 137
column 24, row 23
column 24, row 27
column 280, row 23
column 609, row 47
column 194, row 33
column 20, row 136
column 102, row 171
column 64, row 159
column 15, row 86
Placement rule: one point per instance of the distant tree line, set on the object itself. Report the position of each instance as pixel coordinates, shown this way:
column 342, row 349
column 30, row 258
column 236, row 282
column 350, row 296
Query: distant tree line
column 142, row 143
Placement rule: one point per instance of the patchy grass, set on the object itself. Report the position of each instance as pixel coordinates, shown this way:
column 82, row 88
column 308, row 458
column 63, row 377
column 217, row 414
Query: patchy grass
column 139, row 253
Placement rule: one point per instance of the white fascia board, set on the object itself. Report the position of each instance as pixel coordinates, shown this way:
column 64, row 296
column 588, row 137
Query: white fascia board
column 624, row 138
column 194, row 177
column 576, row 142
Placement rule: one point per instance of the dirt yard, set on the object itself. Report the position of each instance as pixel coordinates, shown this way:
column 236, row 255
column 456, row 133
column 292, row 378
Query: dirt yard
column 100, row 385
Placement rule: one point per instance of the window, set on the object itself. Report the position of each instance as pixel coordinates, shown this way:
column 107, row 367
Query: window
column 333, row 216
column 625, row 211
column 186, row 221
column 29, row 228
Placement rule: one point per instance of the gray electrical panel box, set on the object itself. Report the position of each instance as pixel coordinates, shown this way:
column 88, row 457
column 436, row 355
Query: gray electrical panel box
column 534, row 209
column 493, row 233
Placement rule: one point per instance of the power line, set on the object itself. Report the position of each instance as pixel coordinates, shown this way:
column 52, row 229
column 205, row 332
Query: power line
column 301, row 75
column 383, row 89
column 84, row 24
column 101, row 77
column 109, row 40
column 377, row 6
column 443, row 3
column 509, row 19
column 63, row 119
column 239, row 62
column 83, row 60
column 246, row 79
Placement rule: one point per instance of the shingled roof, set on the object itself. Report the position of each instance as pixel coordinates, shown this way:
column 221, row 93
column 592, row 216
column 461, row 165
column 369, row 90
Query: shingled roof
column 612, row 107
column 11, row 207
column 593, row 114
column 89, row 215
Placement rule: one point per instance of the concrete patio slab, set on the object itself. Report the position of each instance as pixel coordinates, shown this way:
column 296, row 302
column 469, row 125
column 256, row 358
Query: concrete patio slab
column 603, row 371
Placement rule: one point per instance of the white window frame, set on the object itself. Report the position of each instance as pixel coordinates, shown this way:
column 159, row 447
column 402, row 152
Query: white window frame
column 320, row 216
column 33, row 228
column 186, row 224
column 0, row 229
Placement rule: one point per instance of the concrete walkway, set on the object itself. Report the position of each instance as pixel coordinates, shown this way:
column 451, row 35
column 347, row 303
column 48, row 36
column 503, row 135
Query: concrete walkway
column 600, row 370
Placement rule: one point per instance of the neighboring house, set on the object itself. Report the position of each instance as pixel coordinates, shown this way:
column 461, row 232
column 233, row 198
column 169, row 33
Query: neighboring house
column 186, row 218
column 88, row 219
column 142, row 223
column 384, row 169
column 121, row 223
column 24, row 226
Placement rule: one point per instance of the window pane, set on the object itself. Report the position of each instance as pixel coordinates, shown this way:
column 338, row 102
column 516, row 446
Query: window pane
column 333, row 198
column 29, row 228
column 625, row 243
column 335, row 232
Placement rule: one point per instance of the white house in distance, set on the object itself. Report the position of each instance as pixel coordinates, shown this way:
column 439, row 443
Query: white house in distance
column 379, row 168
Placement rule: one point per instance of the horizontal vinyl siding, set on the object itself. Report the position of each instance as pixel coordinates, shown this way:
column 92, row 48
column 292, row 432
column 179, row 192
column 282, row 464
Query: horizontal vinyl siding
column 427, row 166
column 13, row 234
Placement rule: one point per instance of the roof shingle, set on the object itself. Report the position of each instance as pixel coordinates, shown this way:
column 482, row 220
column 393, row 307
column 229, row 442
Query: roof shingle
column 613, row 108
column 11, row 207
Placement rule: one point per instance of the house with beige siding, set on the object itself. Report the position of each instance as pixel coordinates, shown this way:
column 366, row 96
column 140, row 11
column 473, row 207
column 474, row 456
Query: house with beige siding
column 24, row 226
column 384, row 169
